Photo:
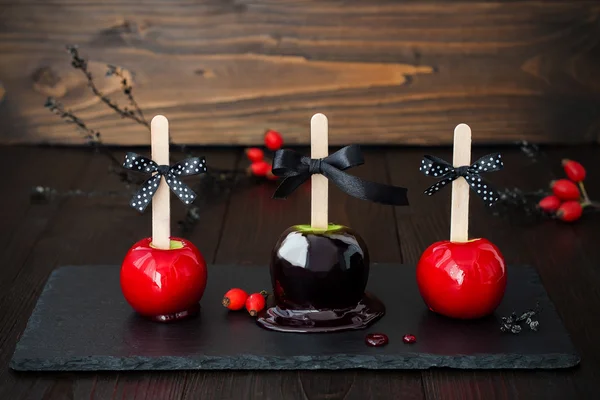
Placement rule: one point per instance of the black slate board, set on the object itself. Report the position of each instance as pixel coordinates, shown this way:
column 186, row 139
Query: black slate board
column 82, row 323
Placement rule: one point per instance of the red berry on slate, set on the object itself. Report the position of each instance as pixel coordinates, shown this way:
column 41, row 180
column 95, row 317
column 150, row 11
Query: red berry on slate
column 235, row 299
column 549, row 204
column 569, row 211
column 273, row 140
column 574, row 170
column 564, row 189
column 260, row 168
column 255, row 303
column 376, row 339
column 255, row 154
column 409, row 339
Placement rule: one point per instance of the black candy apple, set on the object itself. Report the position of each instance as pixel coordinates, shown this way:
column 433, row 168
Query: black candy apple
column 319, row 269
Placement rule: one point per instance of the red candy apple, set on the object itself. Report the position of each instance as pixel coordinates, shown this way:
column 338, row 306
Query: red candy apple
column 462, row 280
column 163, row 284
column 163, row 277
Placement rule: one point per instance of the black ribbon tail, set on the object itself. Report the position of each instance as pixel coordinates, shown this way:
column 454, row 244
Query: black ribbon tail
column 181, row 190
column 433, row 189
column 288, row 185
column 366, row 190
column 482, row 188
column 143, row 196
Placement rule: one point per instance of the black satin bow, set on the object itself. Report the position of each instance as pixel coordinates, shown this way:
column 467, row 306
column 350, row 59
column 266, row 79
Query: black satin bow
column 187, row 167
column 297, row 168
column 437, row 167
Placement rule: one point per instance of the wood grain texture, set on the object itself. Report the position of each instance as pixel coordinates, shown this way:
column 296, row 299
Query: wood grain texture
column 382, row 71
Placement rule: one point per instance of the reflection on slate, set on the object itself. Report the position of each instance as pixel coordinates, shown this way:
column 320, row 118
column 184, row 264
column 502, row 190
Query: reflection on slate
column 81, row 322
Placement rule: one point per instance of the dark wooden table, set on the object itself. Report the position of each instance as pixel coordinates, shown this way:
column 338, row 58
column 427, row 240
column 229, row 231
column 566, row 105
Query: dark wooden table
column 242, row 228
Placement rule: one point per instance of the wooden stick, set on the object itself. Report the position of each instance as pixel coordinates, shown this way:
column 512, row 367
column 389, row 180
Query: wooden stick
column 161, row 206
column 459, row 215
column 319, row 148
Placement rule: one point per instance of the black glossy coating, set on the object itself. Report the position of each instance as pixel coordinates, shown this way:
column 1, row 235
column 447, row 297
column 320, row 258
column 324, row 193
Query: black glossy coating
column 319, row 270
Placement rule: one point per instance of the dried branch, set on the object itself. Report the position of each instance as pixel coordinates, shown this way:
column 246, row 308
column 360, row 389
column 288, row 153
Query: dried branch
column 57, row 108
column 44, row 194
column 513, row 323
column 81, row 64
column 516, row 205
column 127, row 90
column 94, row 138
column 519, row 207
column 213, row 185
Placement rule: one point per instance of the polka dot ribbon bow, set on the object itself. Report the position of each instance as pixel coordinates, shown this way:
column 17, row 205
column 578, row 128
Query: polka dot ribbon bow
column 443, row 170
column 187, row 167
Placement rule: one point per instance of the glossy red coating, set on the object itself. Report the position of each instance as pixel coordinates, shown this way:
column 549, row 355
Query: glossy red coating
column 409, row 339
column 158, row 282
column 462, row 280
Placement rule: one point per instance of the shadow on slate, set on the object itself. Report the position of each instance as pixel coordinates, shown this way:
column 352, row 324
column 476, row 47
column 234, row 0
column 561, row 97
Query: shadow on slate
column 82, row 323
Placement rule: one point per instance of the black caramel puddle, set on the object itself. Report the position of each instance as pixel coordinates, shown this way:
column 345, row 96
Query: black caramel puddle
column 367, row 311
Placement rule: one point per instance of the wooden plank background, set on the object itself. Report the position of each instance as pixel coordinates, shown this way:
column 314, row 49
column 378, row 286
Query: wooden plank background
column 383, row 71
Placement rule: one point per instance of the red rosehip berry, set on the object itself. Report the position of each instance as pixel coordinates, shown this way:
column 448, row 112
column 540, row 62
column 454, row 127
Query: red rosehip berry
column 255, row 303
column 569, row 211
column 255, row 154
column 376, row 339
column 273, row 140
column 549, row 204
column 235, row 299
column 574, row 170
column 409, row 339
column 260, row 168
column 565, row 189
